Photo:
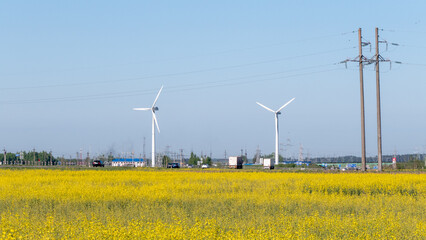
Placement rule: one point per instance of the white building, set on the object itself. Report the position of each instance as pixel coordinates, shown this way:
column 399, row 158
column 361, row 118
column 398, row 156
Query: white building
column 128, row 162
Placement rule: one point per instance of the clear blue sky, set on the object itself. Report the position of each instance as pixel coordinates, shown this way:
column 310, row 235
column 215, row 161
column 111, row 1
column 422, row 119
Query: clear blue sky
column 71, row 72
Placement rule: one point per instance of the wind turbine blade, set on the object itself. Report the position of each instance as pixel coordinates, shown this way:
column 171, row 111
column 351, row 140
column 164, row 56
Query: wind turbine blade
column 285, row 104
column 156, row 98
column 141, row 109
column 155, row 120
column 265, row 107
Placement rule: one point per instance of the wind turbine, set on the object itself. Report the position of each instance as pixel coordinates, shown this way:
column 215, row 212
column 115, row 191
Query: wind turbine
column 276, row 126
column 154, row 122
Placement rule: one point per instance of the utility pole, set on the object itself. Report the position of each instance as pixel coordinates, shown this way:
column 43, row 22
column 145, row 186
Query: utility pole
column 361, row 61
column 361, row 82
column 144, row 156
column 301, row 153
column 81, row 156
column 4, row 156
column 377, row 60
column 88, row 159
column 379, row 120
column 181, row 157
column 257, row 154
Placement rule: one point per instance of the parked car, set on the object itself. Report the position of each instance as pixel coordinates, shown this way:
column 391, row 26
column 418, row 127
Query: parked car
column 173, row 165
column 98, row 163
column 205, row 166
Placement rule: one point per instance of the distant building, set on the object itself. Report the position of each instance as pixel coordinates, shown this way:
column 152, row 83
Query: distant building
column 128, row 162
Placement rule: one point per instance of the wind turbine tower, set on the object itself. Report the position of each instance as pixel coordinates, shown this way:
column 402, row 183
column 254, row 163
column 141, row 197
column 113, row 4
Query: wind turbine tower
column 276, row 113
column 153, row 108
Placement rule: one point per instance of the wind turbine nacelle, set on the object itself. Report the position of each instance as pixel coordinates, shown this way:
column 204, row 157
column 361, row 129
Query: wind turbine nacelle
column 278, row 113
column 155, row 108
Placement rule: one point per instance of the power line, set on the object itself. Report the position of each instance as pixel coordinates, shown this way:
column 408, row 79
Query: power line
column 260, row 75
column 202, row 55
column 226, row 80
column 412, row 64
column 176, row 88
column 412, row 46
column 403, row 31
column 178, row 73
column 260, row 80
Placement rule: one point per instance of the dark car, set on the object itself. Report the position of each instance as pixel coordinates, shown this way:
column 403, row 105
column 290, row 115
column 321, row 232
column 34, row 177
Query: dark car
column 98, row 163
column 173, row 165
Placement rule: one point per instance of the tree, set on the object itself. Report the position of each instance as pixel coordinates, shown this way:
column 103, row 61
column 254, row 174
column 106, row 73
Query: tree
column 193, row 160
column 11, row 158
column 110, row 157
column 166, row 159
column 207, row 160
column 44, row 157
column 272, row 156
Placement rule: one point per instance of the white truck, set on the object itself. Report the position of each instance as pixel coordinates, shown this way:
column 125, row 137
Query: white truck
column 268, row 163
column 236, row 162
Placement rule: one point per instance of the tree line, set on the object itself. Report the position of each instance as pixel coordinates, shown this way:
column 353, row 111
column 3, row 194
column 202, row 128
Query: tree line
column 45, row 158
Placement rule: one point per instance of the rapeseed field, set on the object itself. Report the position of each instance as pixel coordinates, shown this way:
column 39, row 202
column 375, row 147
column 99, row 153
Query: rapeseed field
column 178, row 204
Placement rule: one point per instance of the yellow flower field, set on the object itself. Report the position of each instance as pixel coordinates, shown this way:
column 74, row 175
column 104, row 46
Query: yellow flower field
column 179, row 204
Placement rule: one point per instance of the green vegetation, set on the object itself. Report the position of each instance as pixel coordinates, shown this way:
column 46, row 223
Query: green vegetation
column 194, row 159
column 412, row 163
column 25, row 158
